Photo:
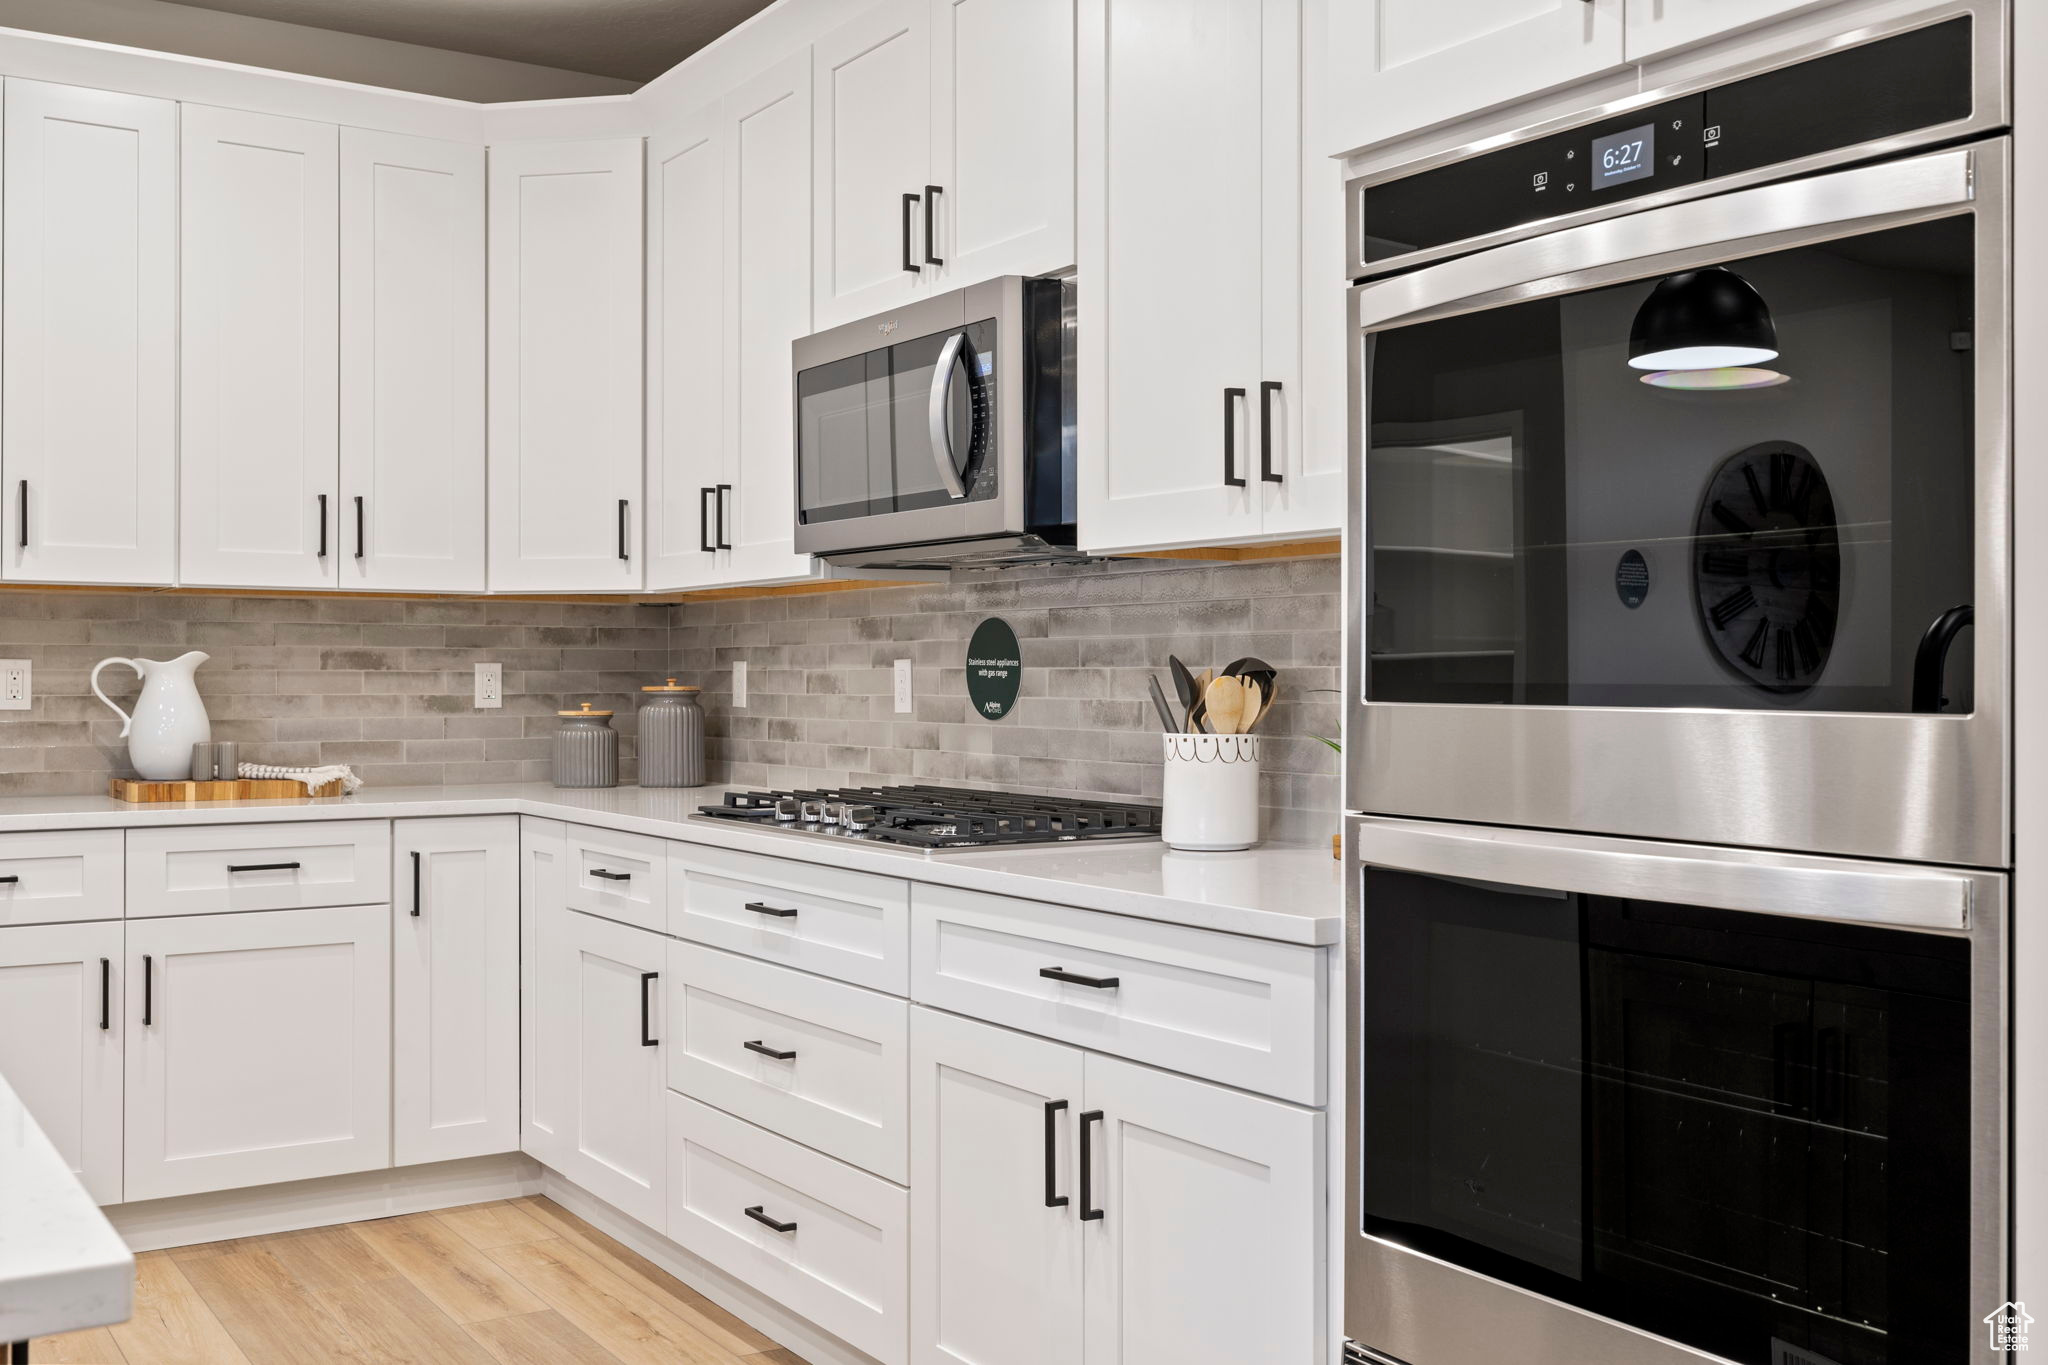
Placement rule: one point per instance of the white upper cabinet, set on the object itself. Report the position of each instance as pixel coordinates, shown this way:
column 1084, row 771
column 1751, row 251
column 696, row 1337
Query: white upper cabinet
column 565, row 288
column 1002, row 138
column 872, row 83
column 1657, row 26
column 89, row 448
column 259, row 341
column 767, row 125
column 1410, row 64
column 412, row 363
column 1189, row 313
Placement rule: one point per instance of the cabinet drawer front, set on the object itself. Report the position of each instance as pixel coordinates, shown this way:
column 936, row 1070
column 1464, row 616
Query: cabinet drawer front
column 1239, row 1010
column 617, row 876
column 843, row 1089
column 852, row 925
column 205, row 870
column 843, row 1264
column 59, row 878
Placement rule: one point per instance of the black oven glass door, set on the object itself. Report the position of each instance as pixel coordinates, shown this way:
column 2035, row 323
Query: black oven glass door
column 865, row 433
column 1555, row 520
column 1744, row 1132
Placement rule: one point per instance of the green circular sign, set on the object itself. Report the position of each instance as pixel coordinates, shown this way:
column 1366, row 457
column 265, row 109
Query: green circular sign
column 995, row 668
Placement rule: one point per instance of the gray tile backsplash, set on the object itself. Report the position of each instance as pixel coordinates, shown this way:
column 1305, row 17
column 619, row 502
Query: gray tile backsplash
column 385, row 684
column 820, row 684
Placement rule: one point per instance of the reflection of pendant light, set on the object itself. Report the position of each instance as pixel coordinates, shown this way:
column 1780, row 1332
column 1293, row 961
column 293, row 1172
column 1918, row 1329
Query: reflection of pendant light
column 1702, row 320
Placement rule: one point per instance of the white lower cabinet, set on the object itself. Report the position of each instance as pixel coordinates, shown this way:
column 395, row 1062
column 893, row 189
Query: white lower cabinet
column 60, row 1041
column 596, row 1018
column 258, row 1048
column 1068, row 1206
column 455, row 988
column 816, row 1235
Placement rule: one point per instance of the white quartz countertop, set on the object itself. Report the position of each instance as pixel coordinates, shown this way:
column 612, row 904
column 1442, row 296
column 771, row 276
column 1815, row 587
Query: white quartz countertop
column 62, row 1267
column 1289, row 892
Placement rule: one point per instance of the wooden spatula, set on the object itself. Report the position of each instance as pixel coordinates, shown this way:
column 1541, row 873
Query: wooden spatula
column 1224, row 706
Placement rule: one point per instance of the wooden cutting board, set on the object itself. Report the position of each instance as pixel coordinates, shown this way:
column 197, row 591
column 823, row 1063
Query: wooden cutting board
column 240, row 789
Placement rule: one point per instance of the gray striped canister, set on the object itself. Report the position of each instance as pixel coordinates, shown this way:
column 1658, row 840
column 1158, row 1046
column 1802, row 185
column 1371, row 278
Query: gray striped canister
column 586, row 749
column 671, row 736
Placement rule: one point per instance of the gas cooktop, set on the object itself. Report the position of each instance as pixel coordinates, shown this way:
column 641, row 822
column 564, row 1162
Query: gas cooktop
column 938, row 819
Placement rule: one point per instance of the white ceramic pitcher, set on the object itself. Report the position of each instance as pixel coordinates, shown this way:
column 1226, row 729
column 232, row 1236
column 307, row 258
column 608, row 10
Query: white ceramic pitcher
column 169, row 717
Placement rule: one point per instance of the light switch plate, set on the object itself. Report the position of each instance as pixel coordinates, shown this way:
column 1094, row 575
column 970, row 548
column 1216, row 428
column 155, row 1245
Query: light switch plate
column 490, row 686
column 903, row 686
column 16, row 690
column 739, row 683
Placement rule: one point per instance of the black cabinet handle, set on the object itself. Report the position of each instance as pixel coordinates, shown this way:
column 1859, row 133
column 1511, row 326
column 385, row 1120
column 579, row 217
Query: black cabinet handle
column 760, row 1217
column 1053, row 1199
column 359, row 526
column 1230, row 475
column 931, row 203
column 11, row 878
column 263, row 867
column 645, row 1040
column 415, row 882
column 623, row 555
column 722, row 490
column 611, row 876
column 1089, row 1213
column 780, row 912
column 322, row 553
column 24, row 514
column 148, row 991
column 912, row 266
column 704, row 522
column 106, row 1000
column 766, row 1051
column 1267, row 474
column 1100, row 983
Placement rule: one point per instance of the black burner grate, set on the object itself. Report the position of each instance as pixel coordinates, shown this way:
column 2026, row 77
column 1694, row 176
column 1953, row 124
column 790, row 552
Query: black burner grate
column 940, row 817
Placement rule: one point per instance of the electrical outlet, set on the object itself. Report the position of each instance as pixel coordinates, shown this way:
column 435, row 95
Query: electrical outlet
column 903, row 686
column 15, row 691
column 739, row 683
column 490, row 686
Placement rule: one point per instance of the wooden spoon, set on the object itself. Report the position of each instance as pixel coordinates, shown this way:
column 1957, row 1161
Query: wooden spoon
column 1224, row 707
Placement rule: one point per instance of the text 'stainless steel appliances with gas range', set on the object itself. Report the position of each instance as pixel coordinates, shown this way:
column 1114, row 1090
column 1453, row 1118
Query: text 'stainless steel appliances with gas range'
column 1678, row 761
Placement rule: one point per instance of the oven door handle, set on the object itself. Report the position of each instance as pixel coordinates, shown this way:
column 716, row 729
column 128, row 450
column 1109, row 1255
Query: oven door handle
column 1657, row 241
column 942, row 430
column 1845, row 890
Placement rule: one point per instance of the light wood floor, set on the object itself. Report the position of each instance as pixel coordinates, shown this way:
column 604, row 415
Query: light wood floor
column 519, row 1282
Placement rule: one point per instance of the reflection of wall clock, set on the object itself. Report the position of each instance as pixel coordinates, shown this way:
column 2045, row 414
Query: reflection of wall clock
column 1767, row 566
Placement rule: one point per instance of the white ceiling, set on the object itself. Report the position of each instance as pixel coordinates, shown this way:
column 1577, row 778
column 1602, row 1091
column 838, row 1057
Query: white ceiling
column 630, row 39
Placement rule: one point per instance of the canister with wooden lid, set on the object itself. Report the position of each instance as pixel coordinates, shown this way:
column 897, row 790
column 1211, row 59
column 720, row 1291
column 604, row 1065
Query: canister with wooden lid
column 586, row 749
column 671, row 736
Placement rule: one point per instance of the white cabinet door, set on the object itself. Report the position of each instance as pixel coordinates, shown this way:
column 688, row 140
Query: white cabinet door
column 1410, row 64
column 687, row 372
column 995, row 1244
column 90, row 406
column 257, row 494
column 1209, row 1247
column 60, row 1041
column 767, row 306
column 259, row 1048
column 1002, row 138
column 601, row 998
column 1181, row 97
column 547, row 1117
column 412, row 363
column 455, row 988
column 565, row 289
column 872, row 104
column 1655, row 27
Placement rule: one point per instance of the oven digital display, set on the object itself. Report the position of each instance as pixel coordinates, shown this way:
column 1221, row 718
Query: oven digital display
column 1624, row 156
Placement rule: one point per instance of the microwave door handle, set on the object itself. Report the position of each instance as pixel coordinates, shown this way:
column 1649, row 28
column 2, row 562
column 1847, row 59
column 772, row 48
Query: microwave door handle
column 942, row 431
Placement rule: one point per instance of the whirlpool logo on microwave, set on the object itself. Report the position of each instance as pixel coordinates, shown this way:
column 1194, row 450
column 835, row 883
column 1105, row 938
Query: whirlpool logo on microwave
column 885, row 328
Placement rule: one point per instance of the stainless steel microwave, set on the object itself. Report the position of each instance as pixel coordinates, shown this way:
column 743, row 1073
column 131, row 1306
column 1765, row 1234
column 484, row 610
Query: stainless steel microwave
column 940, row 435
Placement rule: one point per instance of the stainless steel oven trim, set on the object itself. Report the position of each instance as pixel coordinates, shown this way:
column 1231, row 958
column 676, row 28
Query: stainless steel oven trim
column 1000, row 299
column 1928, row 788
column 1425, row 1311
column 1990, row 110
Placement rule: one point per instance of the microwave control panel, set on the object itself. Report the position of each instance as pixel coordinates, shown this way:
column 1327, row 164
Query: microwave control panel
column 1909, row 81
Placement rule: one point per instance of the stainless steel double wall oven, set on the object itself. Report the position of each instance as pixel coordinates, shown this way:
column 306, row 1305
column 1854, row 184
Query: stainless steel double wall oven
column 1679, row 732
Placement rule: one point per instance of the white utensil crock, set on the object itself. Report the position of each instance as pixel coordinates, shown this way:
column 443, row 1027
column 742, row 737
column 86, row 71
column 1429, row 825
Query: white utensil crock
column 1211, row 799
column 169, row 718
